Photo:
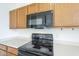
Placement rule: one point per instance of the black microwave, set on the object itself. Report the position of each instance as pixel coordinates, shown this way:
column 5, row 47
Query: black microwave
column 40, row 20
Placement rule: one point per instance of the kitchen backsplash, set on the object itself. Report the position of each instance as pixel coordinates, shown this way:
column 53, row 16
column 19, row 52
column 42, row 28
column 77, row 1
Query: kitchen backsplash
column 58, row 34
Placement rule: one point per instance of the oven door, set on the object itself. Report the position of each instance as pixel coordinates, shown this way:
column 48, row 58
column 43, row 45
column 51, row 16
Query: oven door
column 30, row 53
column 23, row 53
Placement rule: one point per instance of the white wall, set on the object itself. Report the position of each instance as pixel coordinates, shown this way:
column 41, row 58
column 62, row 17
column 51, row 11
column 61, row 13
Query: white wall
column 4, row 19
column 65, row 34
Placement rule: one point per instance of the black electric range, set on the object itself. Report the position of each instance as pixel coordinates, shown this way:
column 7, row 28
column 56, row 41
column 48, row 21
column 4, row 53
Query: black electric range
column 41, row 45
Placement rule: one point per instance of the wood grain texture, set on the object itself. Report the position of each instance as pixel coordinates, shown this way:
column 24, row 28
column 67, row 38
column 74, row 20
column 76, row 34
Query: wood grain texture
column 12, row 50
column 33, row 8
column 2, row 53
column 10, row 54
column 44, row 7
column 22, row 17
column 66, row 14
column 3, row 47
column 12, row 22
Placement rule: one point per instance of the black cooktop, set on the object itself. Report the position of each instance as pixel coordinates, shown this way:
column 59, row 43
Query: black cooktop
column 29, row 48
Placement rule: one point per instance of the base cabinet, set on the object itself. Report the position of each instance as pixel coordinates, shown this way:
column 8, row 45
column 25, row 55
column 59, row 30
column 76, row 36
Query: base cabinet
column 2, row 53
column 8, row 51
column 10, row 54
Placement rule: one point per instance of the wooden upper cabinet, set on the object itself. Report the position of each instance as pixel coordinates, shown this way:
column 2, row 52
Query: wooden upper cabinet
column 44, row 7
column 66, row 14
column 40, row 7
column 12, row 19
column 21, row 21
column 18, row 18
column 52, row 6
column 33, row 8
column 75, row 14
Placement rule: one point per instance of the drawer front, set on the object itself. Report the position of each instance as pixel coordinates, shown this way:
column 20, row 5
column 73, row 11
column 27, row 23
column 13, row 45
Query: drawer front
column 13, row 50
column 3, row 47
column 2, row 53
column 10, row 54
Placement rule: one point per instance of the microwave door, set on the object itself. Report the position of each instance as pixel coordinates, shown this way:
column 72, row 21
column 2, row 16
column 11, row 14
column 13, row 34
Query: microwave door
column 48, row 20
column 39, row 21
column 33, row 21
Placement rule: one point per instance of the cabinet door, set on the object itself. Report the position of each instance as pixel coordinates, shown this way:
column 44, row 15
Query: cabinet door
column 13, row 19
column 52, row 6
column 12, row 50
column 44, row 7
column 3, row 47
column 22, row 17
column 10, row 54
column 66, row 14
column 75, row 14
column 33, row 8
column 2, row 53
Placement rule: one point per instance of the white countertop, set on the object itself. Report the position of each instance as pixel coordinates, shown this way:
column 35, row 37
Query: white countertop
column 15, row 42
column 61, row 48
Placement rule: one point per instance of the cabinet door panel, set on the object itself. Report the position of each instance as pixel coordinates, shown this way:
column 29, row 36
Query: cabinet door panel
column 13, row 19
column 52, row 6
column 10, row 54
column 13, row 50
column 44, row 7
column 66, row 14
column 3, row 47
column 75, row 15
column 2, row 53
column 22, row 12
column 33, row 8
